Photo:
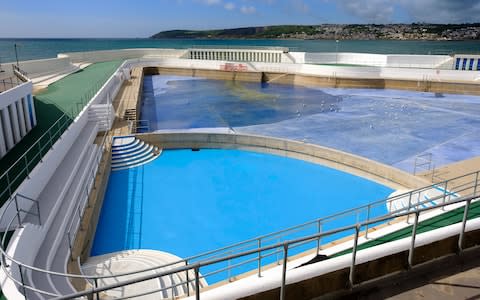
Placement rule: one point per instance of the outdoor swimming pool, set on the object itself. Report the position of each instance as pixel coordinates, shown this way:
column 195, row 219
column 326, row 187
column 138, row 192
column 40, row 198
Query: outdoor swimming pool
column 389, row 126
column 186, row 202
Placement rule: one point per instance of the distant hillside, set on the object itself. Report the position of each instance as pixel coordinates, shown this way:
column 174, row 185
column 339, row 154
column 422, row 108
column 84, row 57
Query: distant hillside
column 414, row 31
column 246, row 32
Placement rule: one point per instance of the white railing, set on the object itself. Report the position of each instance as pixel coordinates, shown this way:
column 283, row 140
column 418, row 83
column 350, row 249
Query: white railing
column 284, row 249
column 279, row 244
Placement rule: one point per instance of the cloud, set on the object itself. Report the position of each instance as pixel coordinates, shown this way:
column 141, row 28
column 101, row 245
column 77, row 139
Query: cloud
column 371, row 11
column 248, row 10
column 300, row 6
column 443, row 11
column 229, row 6
column 212, row 2
column 431, row 11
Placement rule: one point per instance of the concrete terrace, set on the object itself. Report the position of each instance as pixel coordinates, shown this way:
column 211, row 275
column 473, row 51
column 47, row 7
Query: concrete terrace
column 66, row 98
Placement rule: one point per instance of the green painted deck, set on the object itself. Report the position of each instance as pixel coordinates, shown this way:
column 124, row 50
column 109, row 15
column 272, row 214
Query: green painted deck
column 67, row 96
column 445, row 219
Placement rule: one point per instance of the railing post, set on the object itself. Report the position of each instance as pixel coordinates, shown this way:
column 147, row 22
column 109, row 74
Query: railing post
column 173, row 286
column 50, row 138
column 476, row 184
column 229, row 271
column 259, row 267
column 18, row 212
column 95, row 282
column 368, row 220
column 197, row 284
column 23, row 280
column 409, row 206
column 26, row 166
column 444, row 194
column 354, row 256
column 284, row 271
column 278, row 256
column 188, row 279
column 79, row 217
column 9, row 185
column 464, row 224
column 69, row 243
column 40, row 151
column 319, row 225
column 38, row 213
column 412, row 245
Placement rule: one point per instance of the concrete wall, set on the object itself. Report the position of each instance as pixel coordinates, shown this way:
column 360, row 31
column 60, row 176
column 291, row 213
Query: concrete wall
column 40, row 67
column 379, row 60
column 107, row 55
column 373, row 170
column 210, row 74
column 17, row 115
column 395, row 67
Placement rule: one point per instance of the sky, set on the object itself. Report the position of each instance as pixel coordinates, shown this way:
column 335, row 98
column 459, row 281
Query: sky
column 143, row 18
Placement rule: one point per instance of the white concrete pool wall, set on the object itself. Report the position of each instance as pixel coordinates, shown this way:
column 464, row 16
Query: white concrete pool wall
column 360, row 166
column 373, row 66
column 400, row 67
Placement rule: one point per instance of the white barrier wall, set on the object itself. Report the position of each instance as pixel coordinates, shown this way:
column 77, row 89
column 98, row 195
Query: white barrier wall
column 40, row 67
column 272, row 56
column 103, row 115
column 17, row 115
column 108, row 55
column 380, row 60
column 466, row 62
column 290, row 62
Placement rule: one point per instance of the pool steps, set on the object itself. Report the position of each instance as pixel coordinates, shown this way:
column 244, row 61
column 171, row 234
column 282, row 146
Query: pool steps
column 133, row 259
column 129, row 152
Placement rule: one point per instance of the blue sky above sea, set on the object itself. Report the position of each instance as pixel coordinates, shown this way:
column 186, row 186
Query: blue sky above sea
column 142, row 18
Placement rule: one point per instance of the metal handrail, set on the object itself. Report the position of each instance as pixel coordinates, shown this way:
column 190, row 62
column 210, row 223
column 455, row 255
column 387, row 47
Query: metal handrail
column 22, row 75
column 264, row 248
column 285, row 245
column 75, row 111
column 24, row 159
column 237, row 47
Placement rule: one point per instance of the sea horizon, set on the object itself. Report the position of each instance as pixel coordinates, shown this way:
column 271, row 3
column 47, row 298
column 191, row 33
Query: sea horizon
column 43, row 48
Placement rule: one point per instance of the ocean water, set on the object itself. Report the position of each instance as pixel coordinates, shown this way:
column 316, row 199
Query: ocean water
column 47, row 48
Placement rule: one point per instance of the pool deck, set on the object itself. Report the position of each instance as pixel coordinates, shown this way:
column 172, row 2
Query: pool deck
column 453, row 170
column 136, row 260
column 127, row 99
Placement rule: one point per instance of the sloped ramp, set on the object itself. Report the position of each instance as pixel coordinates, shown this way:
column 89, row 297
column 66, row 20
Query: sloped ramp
column 401, row 200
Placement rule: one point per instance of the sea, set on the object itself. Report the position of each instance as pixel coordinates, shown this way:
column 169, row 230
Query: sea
column 28, row 49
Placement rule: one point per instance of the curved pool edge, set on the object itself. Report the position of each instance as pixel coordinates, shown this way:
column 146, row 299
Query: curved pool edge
column 343, row 161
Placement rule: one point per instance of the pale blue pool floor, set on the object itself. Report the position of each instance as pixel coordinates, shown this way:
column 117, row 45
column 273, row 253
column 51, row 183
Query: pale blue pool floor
column 188, row 202
column 388, row 126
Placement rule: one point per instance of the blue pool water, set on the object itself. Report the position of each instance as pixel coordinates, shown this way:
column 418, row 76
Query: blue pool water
column 186, row 202
column 389, row 126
